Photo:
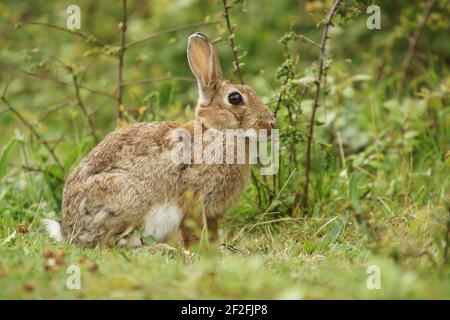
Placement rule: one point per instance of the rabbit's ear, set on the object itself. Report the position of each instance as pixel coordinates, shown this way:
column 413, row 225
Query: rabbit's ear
column 204, row 63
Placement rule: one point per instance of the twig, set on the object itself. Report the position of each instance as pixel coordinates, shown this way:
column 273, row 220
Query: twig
column 307, row 40
column 86, row 37
column 44, row 77
column 280, row 98
column 33, row 130
column 230, row 247
column 413, row 41
column 230, row 27
column 156, row 79
column 168, row 31
column 55, row 107
column 5, row 89
column 60, row 139
column 83, row 107
column 122, row 49
column 39, row 170
column 238, row 73
column 54, row 57
column 316, row 102
column 422, row 253
column 57, row 80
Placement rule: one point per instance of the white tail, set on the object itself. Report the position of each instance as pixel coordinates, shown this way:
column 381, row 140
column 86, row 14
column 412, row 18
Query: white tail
column 53, row 228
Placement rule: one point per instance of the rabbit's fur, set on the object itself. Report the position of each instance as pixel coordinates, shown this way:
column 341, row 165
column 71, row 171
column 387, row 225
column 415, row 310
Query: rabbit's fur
column 129, row 181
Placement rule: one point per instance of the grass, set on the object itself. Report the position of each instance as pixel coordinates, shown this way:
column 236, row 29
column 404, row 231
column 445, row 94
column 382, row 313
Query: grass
column 325, row 256
column 266, row 269
column 388, row 207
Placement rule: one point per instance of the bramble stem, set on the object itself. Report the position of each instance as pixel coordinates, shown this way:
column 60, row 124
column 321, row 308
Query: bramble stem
column 316, row 102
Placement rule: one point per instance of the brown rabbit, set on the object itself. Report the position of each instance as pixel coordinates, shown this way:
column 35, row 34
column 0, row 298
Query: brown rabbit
column 130, row 181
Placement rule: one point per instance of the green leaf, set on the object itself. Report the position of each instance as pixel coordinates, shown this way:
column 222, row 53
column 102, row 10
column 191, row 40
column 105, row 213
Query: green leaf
column 53, row 177
column 149, row 240
column 4, row 154
column 309, row 247
column 319, row 123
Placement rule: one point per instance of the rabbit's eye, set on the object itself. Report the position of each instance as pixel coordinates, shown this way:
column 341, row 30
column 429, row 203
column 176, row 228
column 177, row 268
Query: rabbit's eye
column 235, row 98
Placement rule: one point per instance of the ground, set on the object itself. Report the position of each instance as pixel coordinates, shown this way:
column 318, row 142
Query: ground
column 309, row 261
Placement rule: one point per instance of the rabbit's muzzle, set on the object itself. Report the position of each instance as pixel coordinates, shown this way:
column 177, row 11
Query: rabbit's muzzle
column 268, row 123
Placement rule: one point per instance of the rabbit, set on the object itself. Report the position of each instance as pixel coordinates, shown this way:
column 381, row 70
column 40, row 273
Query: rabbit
column 129, row 180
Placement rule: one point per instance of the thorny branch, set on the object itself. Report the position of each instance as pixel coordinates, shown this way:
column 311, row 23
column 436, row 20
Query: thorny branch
column 280, row 97
column 316, row 101
column 413, row 41
column 121, row 55
column 230, row 27
column 238, row 73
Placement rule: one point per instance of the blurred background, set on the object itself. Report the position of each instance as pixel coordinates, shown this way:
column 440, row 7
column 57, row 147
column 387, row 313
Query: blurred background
column 366, row 76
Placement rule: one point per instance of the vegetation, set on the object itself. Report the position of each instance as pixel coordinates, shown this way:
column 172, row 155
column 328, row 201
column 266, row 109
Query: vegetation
column 364, row 123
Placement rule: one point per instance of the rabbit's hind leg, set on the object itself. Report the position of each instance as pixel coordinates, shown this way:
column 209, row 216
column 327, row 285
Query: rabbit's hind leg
column 108, row 206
